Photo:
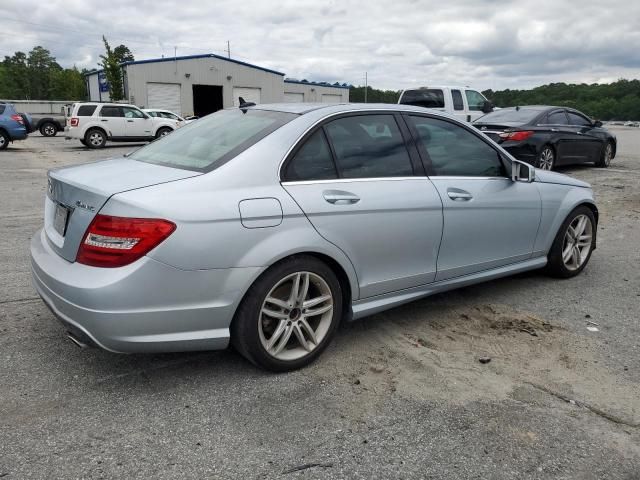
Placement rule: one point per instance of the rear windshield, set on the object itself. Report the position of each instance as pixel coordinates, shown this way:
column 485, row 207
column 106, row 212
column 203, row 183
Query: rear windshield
column 511, row 115
column 424, row 97
column 212, row 140
column 86, row 110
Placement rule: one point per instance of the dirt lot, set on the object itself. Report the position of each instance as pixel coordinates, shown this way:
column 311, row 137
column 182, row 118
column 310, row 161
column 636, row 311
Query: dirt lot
column 398, row 395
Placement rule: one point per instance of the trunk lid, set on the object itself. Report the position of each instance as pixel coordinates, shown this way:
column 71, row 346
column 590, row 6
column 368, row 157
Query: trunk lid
column 493, row 130
column 76, row 194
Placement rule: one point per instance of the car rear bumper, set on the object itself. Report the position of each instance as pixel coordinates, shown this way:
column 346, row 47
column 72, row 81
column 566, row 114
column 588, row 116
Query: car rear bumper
column 17, row 132
column 147, row 306
column 524, row 152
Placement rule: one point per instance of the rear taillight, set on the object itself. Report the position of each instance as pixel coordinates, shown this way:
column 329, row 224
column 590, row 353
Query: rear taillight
column 18, row 119
column 516, row 136
column 118, row 241
column 74, row 121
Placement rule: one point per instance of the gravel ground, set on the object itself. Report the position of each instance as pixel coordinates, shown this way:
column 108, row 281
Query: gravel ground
column 398, row 395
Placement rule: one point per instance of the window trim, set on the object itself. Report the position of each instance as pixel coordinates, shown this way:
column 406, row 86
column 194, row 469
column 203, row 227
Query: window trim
column 548, row 114
column 426, row 159
column 577, row 114
column 416, row 165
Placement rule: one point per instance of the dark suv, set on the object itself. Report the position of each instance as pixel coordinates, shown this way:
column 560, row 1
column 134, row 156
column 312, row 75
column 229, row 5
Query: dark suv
column 12, row 125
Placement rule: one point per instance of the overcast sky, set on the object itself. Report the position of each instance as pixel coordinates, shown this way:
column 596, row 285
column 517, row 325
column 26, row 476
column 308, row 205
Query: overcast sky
column 483, row 43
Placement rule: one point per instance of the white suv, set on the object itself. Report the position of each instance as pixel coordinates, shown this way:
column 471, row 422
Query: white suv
column 464, row 103
column 95, row 123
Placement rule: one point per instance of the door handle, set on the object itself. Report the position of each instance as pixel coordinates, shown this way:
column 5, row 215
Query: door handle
column 104, row 120
column 338, row 197
column 459, row 195
column 555, row 130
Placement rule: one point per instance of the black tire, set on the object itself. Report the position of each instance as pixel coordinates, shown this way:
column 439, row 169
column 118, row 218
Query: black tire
column 546, row 158
column 248, row 319
column 4, row 140
column 95, row 138
column 163, row 132
column 48, row 129
column 605, row 156
column 555, row 265
column 83, row 142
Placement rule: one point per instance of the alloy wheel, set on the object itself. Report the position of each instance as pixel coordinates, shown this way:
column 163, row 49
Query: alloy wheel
column 49, row 130
column 577, row 242
column 3, row 141
column 608, row 153
column 95, row 139
column 546, row 159
column 296, row 316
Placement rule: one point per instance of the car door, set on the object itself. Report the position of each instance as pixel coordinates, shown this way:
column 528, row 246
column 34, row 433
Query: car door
column 458, row 105
column 365, row 191
column 112, row 119
column 138, row 124
column 559, row 135
column 585, row 144
column 489, row 220
column 475, row 104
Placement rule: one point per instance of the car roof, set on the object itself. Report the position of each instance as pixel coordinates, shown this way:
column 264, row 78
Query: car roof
column 332, row 108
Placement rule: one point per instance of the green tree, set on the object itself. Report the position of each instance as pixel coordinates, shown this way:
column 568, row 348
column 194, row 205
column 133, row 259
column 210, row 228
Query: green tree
column 123, row 54
column 67, row 84
column 14, row 83
column 40, row 64
column 112, row 70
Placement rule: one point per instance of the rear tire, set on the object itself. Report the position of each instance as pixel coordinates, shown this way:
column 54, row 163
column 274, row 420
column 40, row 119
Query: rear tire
column 95, row 138
column 281, row 327
column 605, row 156
column 4, row 140
column 574, row 242
column 48, row 129
column 546, row 158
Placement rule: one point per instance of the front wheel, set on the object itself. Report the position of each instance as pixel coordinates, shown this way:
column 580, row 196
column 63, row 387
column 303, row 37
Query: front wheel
column 574, row 242
column 546, row 158
column 606, row 156
column 163, row 132
column 289, row 315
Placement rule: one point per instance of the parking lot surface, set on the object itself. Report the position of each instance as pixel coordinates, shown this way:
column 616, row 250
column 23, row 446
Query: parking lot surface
column 397, row 395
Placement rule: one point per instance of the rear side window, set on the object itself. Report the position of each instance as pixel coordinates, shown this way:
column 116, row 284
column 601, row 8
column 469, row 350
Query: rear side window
column 424, row 97
column 369, row 146
column 454, row 151
column 557, row 118
column 86, row 110
column 1, row 109
column 213, row 140
column 313, row 161
column 111, row 112
column 458, row 104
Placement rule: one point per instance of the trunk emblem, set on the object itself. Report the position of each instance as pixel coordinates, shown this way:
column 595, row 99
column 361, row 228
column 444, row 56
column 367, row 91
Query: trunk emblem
column 84, row 206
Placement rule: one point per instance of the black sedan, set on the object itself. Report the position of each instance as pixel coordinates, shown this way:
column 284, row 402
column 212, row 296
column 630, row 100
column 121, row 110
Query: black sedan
column 547, row 137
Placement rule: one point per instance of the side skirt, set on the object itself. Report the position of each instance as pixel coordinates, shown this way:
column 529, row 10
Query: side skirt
column 379, row 303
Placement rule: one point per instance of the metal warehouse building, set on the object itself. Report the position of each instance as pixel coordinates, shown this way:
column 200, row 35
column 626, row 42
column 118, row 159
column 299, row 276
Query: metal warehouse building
column 202, row 84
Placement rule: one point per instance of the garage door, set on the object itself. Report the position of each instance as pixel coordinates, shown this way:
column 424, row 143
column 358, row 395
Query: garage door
column 164, row 96
column 291, row 97
column 330, row 98
column 249, row 95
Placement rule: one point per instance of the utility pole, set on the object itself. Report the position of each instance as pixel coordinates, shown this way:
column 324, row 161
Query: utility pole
column 228, row 49
column 366, row 87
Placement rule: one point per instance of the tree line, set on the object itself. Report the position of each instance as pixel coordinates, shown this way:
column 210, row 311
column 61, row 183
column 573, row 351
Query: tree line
column 38, row 76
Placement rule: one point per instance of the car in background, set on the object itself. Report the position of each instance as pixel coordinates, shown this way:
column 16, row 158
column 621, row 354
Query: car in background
column 266, row 226
column 13, row 125
column 48, row 125
column 96, row 123
column 547, row 137
column 463, row 103
column 169, row 115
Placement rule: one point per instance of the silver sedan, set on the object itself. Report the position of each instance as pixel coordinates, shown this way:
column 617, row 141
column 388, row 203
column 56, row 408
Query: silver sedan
column 267, row 226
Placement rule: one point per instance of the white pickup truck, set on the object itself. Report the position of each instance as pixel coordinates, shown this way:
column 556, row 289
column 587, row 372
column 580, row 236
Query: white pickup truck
column 462, row 102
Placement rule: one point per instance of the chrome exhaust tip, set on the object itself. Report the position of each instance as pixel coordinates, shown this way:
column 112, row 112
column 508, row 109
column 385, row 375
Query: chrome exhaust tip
column 77, row 342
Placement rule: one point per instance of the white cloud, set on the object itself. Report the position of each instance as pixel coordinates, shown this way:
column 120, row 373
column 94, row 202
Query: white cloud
column 484, row 43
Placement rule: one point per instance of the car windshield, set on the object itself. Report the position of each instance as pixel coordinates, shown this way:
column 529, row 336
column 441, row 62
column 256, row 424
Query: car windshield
column 213, row 140
column 511, row 115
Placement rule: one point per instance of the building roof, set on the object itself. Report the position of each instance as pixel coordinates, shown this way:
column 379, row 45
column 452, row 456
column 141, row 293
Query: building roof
column 195, row 57
column 319, row 84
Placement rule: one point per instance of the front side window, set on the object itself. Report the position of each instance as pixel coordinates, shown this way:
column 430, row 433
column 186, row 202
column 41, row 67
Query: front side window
column 475, row 100
column 153, row 114
column 557, row 118
column 458, row 104
column 108, row 111
column 454, row 151
column 132, row 112
column 575, row 119
column 424, row 97
column 313, row 161
column 213, row 140
column 369, row 146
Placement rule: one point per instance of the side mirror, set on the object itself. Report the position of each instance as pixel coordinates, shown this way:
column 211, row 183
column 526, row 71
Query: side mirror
column 487, row 107
column 597, row 123
column 522, row 172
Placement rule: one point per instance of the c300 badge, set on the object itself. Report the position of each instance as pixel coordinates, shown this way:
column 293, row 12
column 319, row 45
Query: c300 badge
column 84, row 206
